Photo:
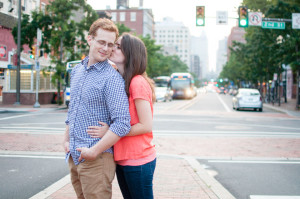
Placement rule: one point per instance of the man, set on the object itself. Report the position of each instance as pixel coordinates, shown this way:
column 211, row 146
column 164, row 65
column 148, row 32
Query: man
column 97, row 94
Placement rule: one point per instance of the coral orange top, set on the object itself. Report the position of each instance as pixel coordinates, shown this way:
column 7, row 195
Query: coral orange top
column 140, row 146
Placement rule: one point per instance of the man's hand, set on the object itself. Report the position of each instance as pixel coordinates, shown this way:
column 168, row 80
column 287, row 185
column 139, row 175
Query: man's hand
column 87, row 153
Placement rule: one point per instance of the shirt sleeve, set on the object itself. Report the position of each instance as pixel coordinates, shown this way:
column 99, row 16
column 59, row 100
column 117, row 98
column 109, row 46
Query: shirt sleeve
column 69, row 110
column 118, row 106
column 140, row 89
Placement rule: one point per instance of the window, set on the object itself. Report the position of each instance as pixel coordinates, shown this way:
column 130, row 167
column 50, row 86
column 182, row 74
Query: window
column 113, row 16
column 122, row 16
column 133, row 16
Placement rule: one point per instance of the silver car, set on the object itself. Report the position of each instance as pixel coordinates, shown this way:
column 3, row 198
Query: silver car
column 163, row 94
column 247, row 98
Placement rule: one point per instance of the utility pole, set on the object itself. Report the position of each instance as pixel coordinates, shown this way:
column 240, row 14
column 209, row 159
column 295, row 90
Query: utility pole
column 18, row 83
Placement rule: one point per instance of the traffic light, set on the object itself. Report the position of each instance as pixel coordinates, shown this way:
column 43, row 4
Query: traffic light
column 32, row 56
column 200, row 15
column 243, row 16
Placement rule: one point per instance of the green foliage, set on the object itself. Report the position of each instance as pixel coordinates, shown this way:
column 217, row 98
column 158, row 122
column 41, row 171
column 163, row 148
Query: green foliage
column 262, row 54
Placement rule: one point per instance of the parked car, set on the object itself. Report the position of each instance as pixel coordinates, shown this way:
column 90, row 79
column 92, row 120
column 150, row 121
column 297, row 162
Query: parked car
column 222, row 90
column 163, row 94
column 247, row 98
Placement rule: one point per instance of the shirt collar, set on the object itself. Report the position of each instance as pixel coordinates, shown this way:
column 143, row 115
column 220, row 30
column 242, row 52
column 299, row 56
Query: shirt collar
column 97, row 65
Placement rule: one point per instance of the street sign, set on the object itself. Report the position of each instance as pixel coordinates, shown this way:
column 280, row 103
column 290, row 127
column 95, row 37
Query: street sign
column 296, row 20
column 255, row 18
column 273, row 25
column 222, row 17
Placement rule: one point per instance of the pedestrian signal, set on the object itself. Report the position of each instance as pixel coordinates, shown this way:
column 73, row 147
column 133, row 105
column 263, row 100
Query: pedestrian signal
column 243, row 16
column 200, row 15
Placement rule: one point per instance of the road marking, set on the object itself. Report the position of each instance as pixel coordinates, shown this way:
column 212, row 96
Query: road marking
column 31, row 156
column 6, row 118
column 254, row 162
column 223, row 103
column 272, row 197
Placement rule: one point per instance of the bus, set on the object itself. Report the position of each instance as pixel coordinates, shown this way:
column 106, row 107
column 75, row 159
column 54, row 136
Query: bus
column 69, row 67
column 162, row 81
column 182, row 85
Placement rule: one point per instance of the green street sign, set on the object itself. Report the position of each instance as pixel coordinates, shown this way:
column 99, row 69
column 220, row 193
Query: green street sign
column 273, row 25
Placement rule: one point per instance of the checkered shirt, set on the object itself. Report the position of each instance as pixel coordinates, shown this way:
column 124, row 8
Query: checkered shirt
column 97, row 94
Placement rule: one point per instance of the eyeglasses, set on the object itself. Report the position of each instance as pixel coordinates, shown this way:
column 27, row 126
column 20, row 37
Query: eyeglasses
column 103, row 43
column 118, row 46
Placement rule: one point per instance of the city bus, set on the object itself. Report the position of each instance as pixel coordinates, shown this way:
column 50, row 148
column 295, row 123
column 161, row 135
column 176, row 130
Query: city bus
column 182, row 85
column 69, row 67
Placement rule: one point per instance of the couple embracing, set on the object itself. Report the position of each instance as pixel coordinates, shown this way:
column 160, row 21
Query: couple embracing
column 109, row 121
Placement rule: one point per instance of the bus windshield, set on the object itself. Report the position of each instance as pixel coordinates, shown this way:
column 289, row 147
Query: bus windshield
column 180, row 83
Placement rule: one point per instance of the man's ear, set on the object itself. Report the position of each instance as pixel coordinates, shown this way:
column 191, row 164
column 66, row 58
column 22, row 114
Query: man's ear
column 89, row 39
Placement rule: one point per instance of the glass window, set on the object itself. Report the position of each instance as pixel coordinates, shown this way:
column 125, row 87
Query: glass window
column 122, row 16
column 114, row 16
column 133, row 16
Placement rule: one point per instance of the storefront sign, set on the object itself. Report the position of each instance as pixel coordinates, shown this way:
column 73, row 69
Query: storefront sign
column 3, row 51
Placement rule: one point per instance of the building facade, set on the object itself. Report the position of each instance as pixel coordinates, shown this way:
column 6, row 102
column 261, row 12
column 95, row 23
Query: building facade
column 221, row 55
column 8, row 50
column 138, row 20
column 175, row 39
column 236, row 34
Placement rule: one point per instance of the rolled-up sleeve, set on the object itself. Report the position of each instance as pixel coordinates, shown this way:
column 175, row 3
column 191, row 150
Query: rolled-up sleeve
column 118, row 106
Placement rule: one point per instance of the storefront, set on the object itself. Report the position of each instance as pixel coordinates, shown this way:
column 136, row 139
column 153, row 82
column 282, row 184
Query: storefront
column 28, row 83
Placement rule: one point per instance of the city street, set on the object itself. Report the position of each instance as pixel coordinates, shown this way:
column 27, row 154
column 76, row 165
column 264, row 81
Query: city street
column 248, row 152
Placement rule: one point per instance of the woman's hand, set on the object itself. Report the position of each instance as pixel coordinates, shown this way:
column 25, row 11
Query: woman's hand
column 98, row 131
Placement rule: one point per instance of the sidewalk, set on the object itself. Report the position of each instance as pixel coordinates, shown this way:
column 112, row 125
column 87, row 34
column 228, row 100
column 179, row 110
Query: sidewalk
column 175, row 178
column 288, row 108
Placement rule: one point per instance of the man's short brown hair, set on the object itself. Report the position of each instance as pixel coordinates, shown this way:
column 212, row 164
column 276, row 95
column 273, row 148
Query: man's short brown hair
column 105, row 24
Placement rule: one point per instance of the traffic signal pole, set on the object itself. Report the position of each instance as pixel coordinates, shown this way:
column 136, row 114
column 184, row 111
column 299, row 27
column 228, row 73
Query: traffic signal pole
column 37, row 71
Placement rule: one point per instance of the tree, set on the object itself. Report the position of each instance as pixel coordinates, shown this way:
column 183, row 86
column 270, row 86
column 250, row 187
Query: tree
column 62, row 33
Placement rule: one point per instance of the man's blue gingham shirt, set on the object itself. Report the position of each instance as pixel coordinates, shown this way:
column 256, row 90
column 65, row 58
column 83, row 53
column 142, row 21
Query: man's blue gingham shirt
column 97, row 94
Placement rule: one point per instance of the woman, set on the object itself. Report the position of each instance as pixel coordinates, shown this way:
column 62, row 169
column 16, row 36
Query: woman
column 134, row 154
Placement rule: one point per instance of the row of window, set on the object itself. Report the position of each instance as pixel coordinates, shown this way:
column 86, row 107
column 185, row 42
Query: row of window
column 171, row 41
column 28, row 83
column 171, row 36
column 122, row 16
column 171, row 31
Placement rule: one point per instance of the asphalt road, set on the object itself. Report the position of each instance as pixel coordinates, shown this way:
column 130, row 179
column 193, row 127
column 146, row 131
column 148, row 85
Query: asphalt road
column 23, row 176
column 243, row 178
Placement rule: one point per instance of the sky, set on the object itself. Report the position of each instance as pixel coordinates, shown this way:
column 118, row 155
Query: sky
column 185, row 11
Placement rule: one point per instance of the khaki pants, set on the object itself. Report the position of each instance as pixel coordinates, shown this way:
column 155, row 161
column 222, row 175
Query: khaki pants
column 93, row 179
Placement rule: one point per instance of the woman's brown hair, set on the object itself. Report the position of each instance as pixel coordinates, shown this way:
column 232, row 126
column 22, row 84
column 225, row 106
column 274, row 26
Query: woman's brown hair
column 135, row 54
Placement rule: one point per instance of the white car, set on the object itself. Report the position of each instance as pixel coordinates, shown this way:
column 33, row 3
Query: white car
column 163, row 94
column 247, row 98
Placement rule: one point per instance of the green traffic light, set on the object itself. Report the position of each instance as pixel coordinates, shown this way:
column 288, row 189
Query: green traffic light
column 32, row 56
column 200, row 22
column 243, row 22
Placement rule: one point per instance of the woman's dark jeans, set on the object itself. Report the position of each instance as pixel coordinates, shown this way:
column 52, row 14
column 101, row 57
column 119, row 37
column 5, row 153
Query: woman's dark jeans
column 136, row 182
